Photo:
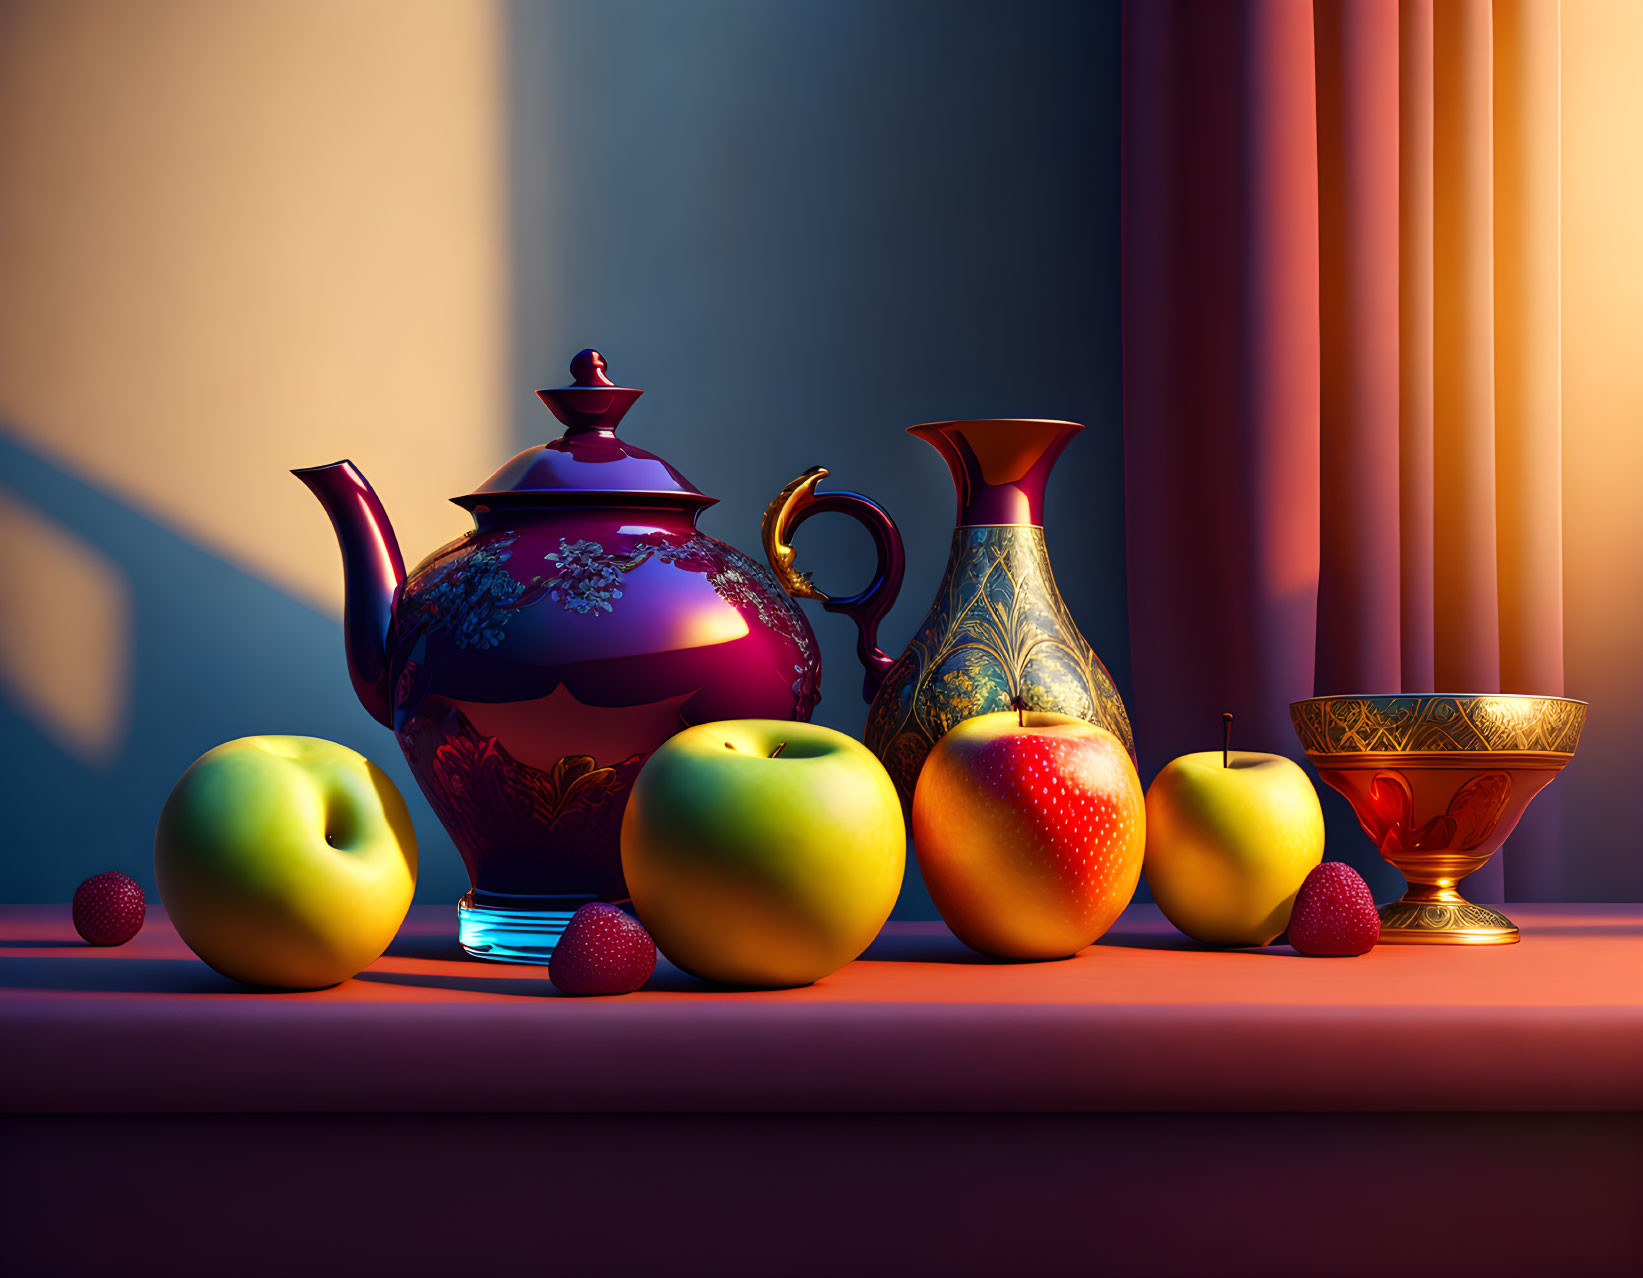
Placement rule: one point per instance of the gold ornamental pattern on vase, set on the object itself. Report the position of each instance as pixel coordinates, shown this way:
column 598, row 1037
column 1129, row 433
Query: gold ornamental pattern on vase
column 998, row 634
column 998, row 631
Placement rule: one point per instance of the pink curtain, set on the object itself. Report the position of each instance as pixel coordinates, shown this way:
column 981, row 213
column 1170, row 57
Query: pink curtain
column 1340, row 362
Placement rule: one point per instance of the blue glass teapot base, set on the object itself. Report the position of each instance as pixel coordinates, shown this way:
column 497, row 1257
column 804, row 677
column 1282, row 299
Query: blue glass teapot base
column 514, row 929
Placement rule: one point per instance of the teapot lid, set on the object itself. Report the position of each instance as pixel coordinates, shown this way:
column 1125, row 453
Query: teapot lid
column 588, row 462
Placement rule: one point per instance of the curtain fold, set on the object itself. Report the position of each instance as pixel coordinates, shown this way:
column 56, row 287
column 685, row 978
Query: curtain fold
column 1359, row 644
column 1529, row 395
column 1528, row 342
column 1340, row 361
column 1416, row 183
column 1220, row 307
column 1466, row 613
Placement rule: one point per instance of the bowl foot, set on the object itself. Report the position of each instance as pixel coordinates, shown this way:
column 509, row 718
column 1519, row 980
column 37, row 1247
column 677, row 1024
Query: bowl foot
column 1444, row 922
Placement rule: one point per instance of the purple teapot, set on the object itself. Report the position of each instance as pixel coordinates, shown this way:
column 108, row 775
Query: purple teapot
column 529, row 668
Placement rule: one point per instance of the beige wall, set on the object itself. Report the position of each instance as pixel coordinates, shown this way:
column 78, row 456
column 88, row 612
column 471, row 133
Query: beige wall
column 237, row 238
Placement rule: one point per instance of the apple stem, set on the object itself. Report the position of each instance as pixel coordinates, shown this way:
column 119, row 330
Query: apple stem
column 780, row 746
column 1226, row 740
column 1018, row 703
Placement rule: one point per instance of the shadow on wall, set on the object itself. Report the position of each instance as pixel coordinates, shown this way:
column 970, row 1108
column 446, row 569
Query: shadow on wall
column 806, row 226
column 178, row 652
column 236, row 239
column 802, row 227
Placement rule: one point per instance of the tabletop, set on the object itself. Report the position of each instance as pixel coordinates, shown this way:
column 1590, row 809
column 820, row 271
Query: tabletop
column 1144, row 1020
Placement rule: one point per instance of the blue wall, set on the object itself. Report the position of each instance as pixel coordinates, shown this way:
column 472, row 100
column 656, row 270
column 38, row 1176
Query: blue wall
column 806, row 226
column 802, row 227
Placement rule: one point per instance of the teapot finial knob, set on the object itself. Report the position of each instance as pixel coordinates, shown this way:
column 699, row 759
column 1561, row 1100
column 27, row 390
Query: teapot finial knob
column 592, row 401
column 587, row 368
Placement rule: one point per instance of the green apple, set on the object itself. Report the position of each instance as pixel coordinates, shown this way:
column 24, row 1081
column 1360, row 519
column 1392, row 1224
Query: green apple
column 285, row 861
column 1230, row 838
column 763, row 852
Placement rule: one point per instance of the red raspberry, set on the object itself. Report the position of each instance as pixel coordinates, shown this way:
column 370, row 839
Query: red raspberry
column 1334, row 914
column 603, row 951
column 109, row 909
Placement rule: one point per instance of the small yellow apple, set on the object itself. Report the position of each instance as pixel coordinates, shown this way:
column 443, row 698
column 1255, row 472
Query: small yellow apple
column 1230, row 838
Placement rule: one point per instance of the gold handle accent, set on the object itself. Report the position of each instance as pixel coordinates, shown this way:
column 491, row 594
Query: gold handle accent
column 779, row 518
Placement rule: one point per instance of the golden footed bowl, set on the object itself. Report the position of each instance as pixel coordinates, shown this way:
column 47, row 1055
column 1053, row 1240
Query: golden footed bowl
column 1438, row 781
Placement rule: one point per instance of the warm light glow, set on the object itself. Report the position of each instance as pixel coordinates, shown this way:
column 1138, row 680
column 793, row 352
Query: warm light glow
column 65, row 634
column 1602, row 330
column 703, row 627
column 238, row 238
column 1602, row 442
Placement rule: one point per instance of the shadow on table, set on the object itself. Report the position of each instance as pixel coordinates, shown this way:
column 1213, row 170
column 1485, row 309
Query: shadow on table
column 1151, row 941
column 42, row 945
column 514, row 986
column 1169, row 939
column 428, row 945
column 128, row 976
column 944, row 947
column 668, row 979
column 1579, row 929
column 932, row 947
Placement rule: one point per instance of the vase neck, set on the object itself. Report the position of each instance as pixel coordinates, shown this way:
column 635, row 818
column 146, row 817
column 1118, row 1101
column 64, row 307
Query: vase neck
column 1000, row 465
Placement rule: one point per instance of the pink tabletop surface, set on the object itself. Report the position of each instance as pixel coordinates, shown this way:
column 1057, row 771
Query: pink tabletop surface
column 1144, row 1020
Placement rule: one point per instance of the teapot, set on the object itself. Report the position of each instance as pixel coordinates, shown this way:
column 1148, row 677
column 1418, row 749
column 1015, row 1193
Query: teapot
column 529, row 668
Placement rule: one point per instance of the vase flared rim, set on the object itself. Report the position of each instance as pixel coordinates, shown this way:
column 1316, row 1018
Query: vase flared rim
column 995, row 421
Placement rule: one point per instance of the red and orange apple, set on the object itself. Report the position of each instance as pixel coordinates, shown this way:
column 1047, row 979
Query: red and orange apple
column 1029, row 828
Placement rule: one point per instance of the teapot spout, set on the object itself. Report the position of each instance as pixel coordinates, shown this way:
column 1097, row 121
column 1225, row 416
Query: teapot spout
column 373, row 570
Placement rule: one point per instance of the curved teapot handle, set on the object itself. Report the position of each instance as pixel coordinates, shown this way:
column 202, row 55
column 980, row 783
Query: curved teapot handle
column 797, row 503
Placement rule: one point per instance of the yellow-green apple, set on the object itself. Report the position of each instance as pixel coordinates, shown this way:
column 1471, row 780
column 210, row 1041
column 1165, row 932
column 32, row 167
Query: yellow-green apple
column 1231, row 836
column 1029, row 828
column 285, row 861
column 763, row 852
